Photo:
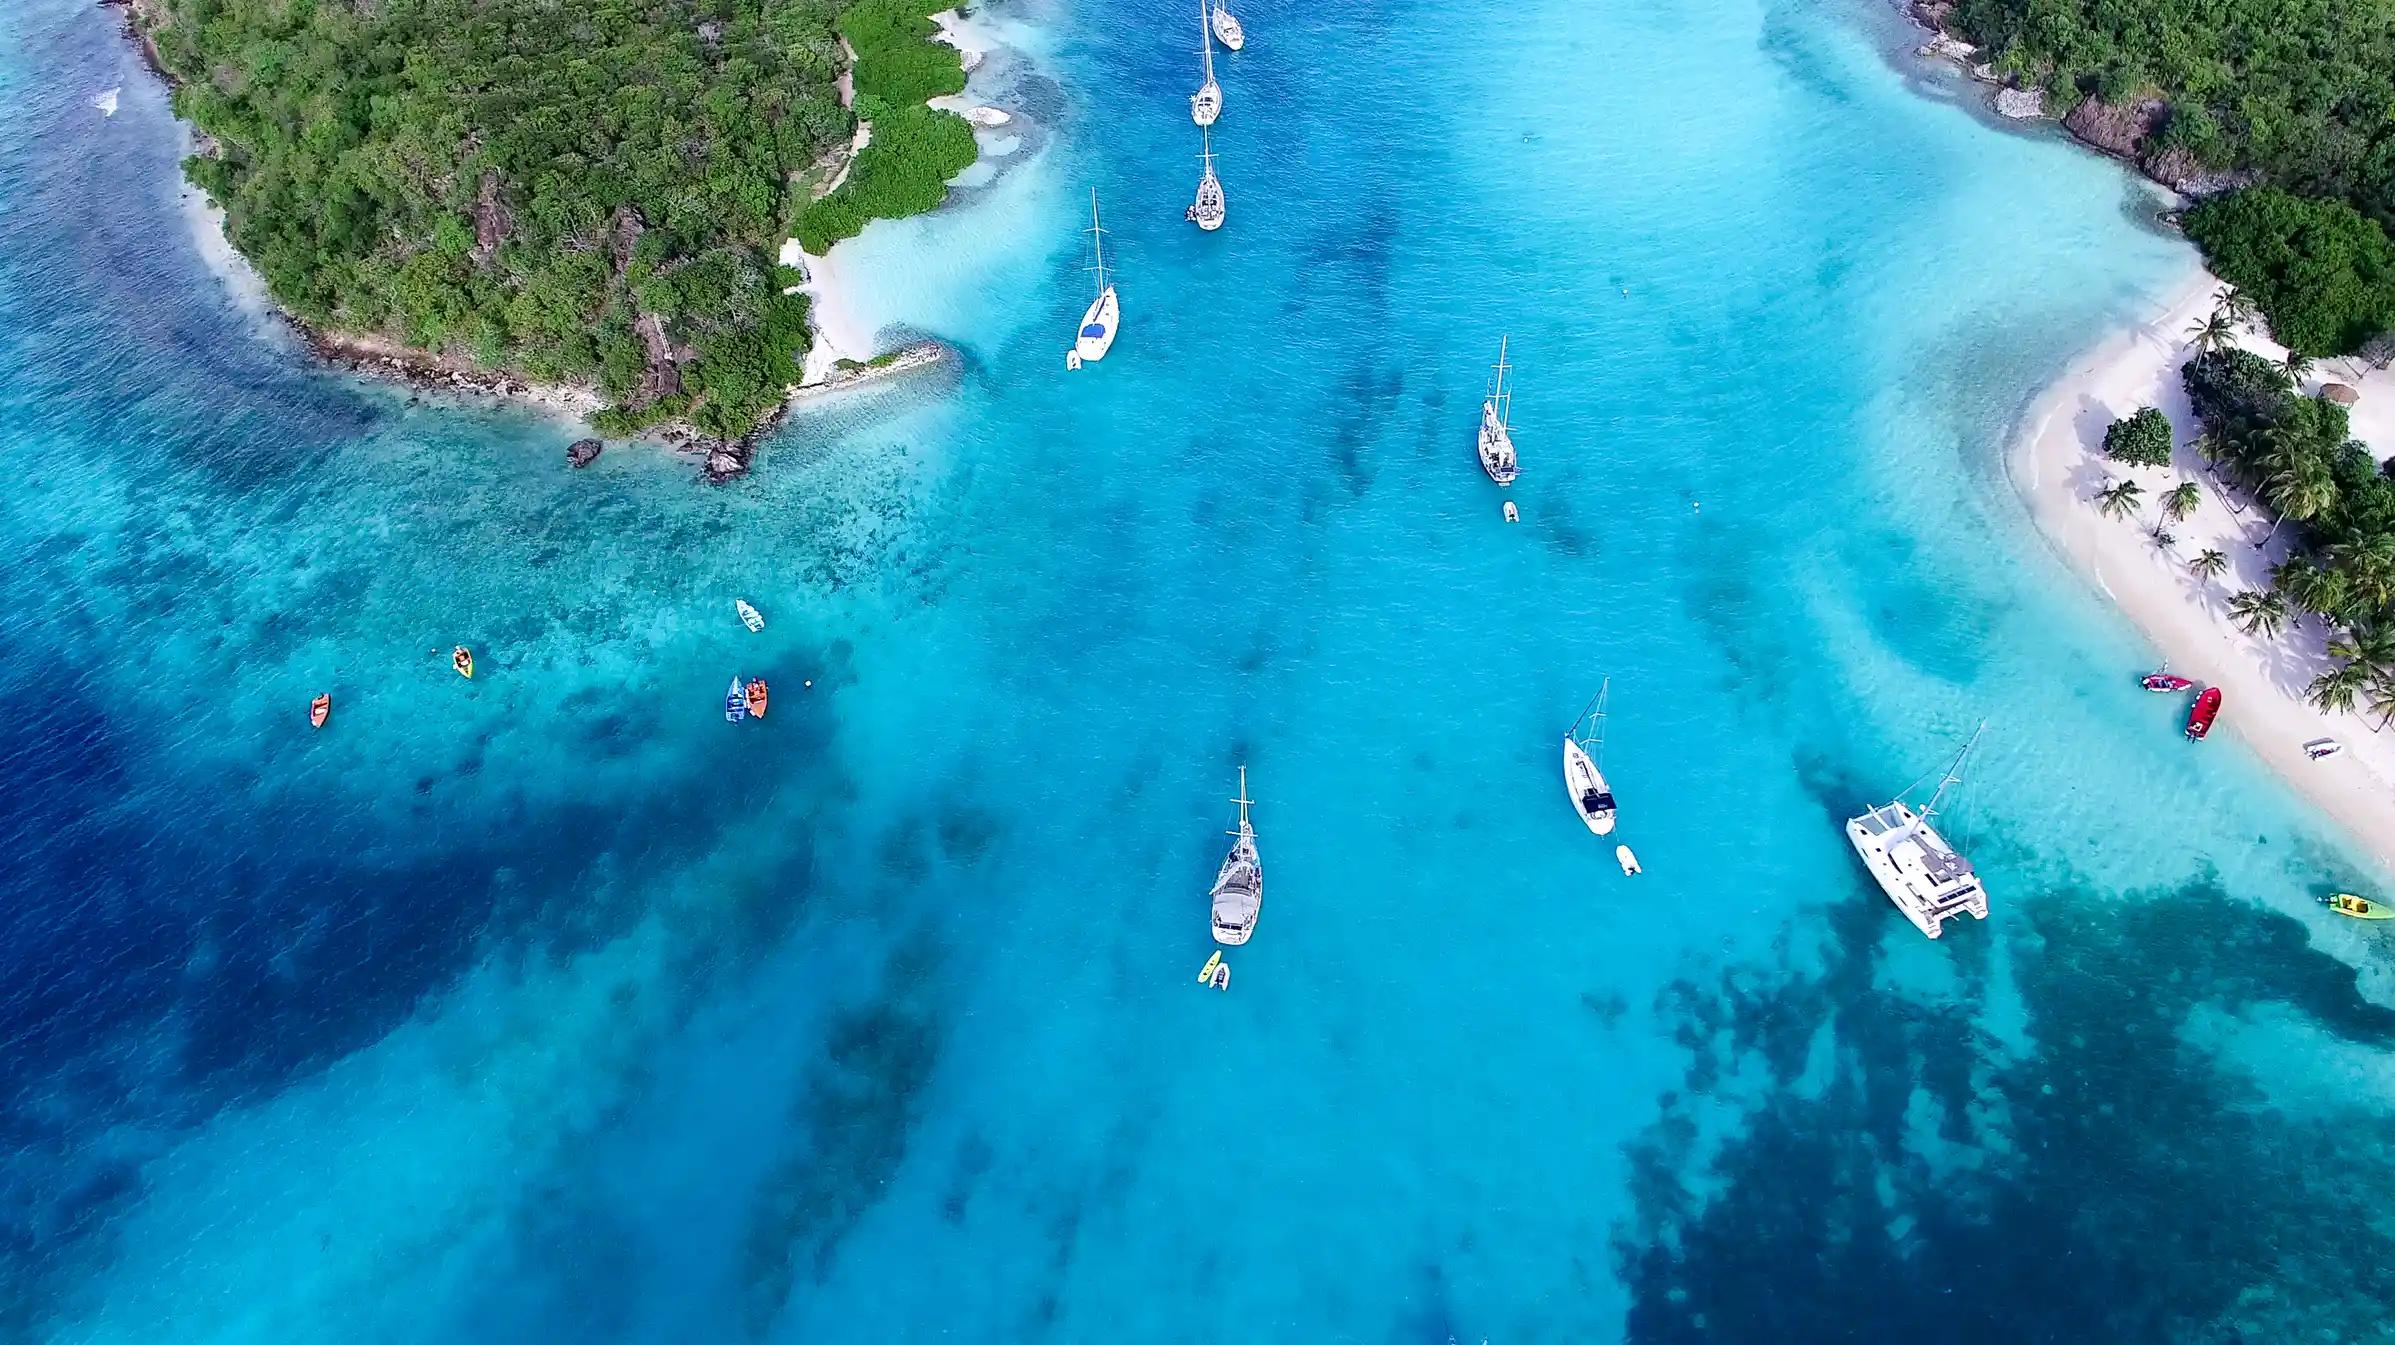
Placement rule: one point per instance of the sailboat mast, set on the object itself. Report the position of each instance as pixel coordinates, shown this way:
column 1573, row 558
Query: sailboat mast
column 1954, row 771
column 1097, row 238
column 1206, row 41
column 1502, row 398
column 1244, row 803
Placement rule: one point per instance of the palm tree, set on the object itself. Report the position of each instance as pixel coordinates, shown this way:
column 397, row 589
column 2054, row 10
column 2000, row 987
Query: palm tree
column 2259, row 611
column 2210, row 565
column 2216, row 332
column 2234, row 304
column 2163, row 537
column 2300, row 491
column 2298, row 366
column 2180, row 500
column 2119, row 498
column 2369, row 567
column 2336, row 689
column 2379, row 696
column 2372, row 646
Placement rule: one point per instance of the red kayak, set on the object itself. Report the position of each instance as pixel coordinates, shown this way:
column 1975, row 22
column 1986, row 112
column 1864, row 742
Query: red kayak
column 2200, row 717
column 2162, row 679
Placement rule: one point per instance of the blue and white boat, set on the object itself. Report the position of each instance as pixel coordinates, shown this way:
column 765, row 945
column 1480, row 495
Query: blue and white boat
column 735, row 701
column 1098, row 325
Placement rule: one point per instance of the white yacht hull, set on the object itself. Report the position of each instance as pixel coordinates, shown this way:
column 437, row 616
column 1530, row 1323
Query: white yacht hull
column 1496, row 445
column 1905, row 855
column 1227, row 30
column 1238, row 896
column 1580, row 777
column 1206, row 104
column 1098, row 326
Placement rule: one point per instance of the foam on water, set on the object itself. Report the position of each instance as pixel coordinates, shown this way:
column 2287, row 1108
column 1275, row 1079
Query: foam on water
column 550, row 1006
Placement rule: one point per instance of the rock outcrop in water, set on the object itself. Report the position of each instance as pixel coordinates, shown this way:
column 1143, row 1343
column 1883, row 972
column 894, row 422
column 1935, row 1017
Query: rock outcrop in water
column 583, row 452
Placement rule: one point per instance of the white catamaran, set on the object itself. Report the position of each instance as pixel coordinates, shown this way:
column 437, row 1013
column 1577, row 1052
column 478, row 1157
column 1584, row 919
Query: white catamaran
column 1206, row 104
column 1496, row 431
column 1227, row 29
column 1208, row 210
column 1926, row 877
column 1098, row 324
column 1582, row 746
column 1239, row 887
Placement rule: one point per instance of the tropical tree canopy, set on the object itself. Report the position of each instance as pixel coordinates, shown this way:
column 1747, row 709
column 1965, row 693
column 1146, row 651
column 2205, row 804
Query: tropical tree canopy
column 2141, row 439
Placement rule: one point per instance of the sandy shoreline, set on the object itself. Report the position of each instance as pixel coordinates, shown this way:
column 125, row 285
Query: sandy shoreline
column 2057, row 463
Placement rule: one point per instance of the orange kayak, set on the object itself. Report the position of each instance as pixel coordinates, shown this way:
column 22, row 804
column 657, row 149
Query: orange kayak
column 756, row 697
column 319, row 710
column 462, row 659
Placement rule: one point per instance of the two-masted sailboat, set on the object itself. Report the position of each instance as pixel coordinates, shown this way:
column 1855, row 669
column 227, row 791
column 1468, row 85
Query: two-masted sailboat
column 1096, row 336
column 1206, row 104
column 1208, row 210
column 1496, row 430
column 1239, row 888
column 1583, row 746
column 1925, row 876
column 1227, row 30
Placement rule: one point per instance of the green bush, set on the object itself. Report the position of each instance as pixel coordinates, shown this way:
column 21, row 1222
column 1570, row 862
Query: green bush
column 2140, row 440
column 2321, row 273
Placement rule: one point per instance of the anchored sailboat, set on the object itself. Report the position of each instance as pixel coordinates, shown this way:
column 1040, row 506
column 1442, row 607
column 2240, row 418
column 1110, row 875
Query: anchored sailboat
column 1496, row 431
column 1206, row 104
column 1926, row 877
column 1208, row 210
column 1227, row 29
column 1583, row 744
column 1098, row 324
column 1239, row 887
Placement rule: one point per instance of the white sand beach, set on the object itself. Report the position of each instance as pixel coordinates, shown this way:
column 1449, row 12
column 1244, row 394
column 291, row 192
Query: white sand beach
column 2058, row 464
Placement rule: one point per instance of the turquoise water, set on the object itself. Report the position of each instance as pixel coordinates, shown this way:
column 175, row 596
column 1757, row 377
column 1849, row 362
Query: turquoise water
column 550, row 1007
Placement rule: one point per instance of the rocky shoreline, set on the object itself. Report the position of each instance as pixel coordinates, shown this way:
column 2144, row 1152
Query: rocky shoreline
column 2124, row 132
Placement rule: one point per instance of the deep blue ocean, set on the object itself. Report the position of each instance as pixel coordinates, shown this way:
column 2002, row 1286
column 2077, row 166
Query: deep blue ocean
column 549, row 1007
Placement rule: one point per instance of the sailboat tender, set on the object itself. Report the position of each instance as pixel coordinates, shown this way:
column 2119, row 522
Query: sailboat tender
column 1206, row 104
column 1096, row 336
column 1927, row 878
column 1496, row 431
column 1239, row 888
column 1582, row 781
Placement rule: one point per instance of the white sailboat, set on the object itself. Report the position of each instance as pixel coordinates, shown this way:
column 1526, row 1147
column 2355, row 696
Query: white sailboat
column 1583, row 744
column 1098, row 324
column 1208, row 210
column 1496, row 430
column 1927, row 878
column 1227, row 30
column 1239, row 888
column 1206, row 104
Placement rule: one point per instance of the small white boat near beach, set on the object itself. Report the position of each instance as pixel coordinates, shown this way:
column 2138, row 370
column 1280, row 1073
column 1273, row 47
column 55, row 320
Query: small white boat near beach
column 1583, row 782
column 1227, row 30
column 1206, row 104
column 749, row 616
column 1927, row 878
column 1238, row 893
column 1496, row 439
column 1098, row 325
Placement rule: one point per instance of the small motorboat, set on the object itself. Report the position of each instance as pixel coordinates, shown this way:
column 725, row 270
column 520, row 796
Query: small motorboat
column 749, row 616
column 2320, row 749
column 755, row 696
column 1206, row 973
column 2163, row 679
column 1512, row 515
column 2346, row 903
column 1222, row 977
column 1629, row 861
column 735, row 701
column 2202, row 713
column 462, row 659
column 319, row 710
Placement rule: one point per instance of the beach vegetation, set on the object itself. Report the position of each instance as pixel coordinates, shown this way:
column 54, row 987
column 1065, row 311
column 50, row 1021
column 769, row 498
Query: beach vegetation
column 2339, row 687
column 2164, row 538
column 914, row 150
column 2215, row 330
column 2259, row 611
column 2181, row 500
column 2322, row 274
column 593, row 193
column 2234, row 391
column 2142, row 439
column 2211, row 563
column 2120, row 499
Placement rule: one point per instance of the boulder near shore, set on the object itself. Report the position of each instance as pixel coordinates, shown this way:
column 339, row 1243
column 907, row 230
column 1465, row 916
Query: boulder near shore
column 583, row 452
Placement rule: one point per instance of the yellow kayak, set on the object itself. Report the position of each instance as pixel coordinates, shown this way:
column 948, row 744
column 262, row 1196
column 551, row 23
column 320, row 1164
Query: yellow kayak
column 1206, row 973
column 462, row 659
column 2346, row 903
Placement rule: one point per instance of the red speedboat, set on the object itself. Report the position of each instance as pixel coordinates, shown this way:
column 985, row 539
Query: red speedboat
column 2201, row 715
column 2163, row 679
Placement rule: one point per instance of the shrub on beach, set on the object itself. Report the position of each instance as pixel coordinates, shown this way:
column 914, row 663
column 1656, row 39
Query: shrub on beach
column 2140, row 440
column 2234, row 390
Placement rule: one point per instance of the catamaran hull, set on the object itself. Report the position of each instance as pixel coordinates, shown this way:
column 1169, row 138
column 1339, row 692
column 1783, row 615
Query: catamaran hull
column 1873, row 850
column 1580, row 775
column 1098, row 327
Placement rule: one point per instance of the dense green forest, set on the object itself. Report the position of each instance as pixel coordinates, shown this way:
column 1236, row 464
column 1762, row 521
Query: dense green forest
column 2297, row 95
column 583, row 190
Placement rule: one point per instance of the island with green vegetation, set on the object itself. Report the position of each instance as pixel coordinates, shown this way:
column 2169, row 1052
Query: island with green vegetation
column 2280, row 116
column 588, row 194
